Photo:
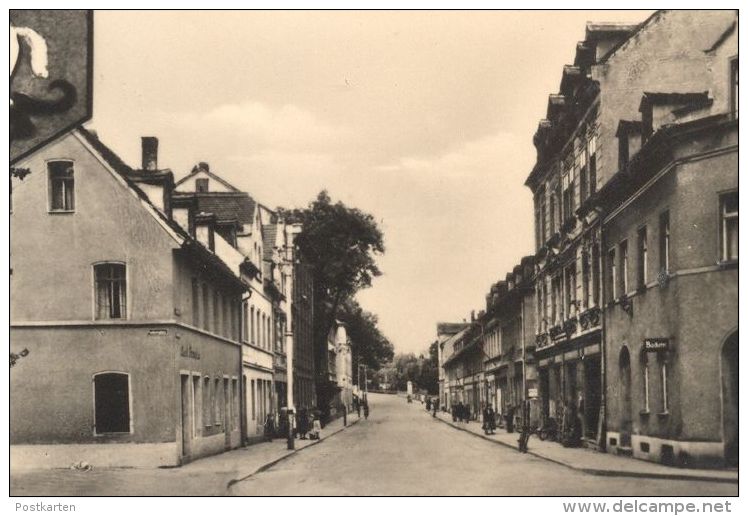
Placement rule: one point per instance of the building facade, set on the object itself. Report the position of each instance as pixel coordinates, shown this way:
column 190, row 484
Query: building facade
column 592, row 229
column 671, row 240
column 122, row 368
column 239, row 218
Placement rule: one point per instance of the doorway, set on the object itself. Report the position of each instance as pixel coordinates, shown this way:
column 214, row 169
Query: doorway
column 592, row 392
column 730, row 389
column 624, row 365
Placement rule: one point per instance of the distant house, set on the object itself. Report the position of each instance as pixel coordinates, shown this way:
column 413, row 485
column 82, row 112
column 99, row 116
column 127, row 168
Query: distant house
column 131, row 322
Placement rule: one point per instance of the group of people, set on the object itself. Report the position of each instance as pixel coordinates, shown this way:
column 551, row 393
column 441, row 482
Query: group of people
column 432, row 405
column 308, row 422
column 358, row 404
column 460, row 412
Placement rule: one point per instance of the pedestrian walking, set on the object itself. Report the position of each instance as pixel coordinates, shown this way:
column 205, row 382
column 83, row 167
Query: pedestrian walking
column 303, row 424
column 428, row 404
column 485, row 426
column 491, row 420
column 434, row 405
column 366, row 409
column 316, row 427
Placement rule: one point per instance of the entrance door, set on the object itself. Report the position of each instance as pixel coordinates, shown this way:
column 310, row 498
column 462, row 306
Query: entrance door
column 592, row 392
column 624, row 364
column 186, row 415
column 730, row 399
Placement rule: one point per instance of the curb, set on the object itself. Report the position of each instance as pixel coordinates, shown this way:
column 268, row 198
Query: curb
column 273, row 462
column 602, row 472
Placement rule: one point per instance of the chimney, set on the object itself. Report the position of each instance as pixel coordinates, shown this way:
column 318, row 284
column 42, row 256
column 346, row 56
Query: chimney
column 150, row 153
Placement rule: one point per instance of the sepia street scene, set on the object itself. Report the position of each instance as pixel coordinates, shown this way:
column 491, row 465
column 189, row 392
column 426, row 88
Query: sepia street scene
column 374, row 253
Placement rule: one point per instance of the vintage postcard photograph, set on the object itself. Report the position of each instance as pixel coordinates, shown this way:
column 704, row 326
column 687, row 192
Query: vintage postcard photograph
column 374, row 253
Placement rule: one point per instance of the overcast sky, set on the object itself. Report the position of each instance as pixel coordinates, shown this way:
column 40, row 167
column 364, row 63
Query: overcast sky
column 424, row 119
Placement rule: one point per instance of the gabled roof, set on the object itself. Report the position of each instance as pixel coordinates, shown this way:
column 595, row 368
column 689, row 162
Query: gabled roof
column 203, row 167
column 224, row 205
column 124, row 171
column 723, row 37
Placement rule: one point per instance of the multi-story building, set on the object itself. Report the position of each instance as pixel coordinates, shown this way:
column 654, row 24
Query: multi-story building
column 567, row 236
column 130, row 321
column 508, row 335
column 670, row 231
column 453, row 391
column 444, row 333
column 464, row 367
column 302, row 325
column 239, row 218
column 626, row 82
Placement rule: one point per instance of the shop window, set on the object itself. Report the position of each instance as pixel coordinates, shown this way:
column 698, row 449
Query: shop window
column 111, row 403
column 252, row 392
column 642, row 257
column 645, row 380
column 61, row 186
column 207, row 411
column 664, row 386
column 111, row 288
column 729, row 226
column 217, row 403
column 665, row 241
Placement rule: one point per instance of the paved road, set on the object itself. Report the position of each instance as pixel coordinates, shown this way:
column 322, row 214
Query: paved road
column 401, row 450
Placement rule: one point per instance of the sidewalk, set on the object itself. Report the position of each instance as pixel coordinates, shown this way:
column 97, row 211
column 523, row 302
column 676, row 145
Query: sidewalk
column 590, row 461
column 204, row 477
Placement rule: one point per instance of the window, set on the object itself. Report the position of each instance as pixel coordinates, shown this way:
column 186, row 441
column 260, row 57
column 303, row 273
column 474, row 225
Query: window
column 624, row 272
column 543, row 232
column 216, row 313
column 111, row 298
column 612, row 276
column 552, row 213
column 665, row 241
column 217, row 403
column 111, row 403
column 729, row 225
column 592, row 161
column 642, row 257
column 207, row 412
column 663, row 377
column 571, row 290
column 245, row 322
column 201, row 184
column 645, row 380
column 236, row 409
column 734, row 86
column 252, row 391
column 61, row 186
column 593, row 290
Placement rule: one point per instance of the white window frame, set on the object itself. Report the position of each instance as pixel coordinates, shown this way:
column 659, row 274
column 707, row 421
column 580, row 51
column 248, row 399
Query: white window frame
column 128, row 301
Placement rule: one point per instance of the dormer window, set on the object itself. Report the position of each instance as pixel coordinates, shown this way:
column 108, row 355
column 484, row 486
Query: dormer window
column 201, row 184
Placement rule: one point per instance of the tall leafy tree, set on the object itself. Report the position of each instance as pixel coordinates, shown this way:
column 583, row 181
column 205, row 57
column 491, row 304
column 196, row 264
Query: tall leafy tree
column 341, row 244
column 370, row 346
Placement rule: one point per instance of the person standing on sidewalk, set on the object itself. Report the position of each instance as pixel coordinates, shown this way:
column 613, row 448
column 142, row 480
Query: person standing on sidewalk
column 366, row 409
column 491, row 420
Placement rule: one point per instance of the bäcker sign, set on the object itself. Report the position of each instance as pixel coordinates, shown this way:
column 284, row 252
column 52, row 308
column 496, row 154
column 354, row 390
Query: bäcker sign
column 51, row 76
column 657, row 344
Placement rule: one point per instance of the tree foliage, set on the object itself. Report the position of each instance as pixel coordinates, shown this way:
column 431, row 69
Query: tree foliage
column 341, row 244
column 421, row 370
column 370, row 346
